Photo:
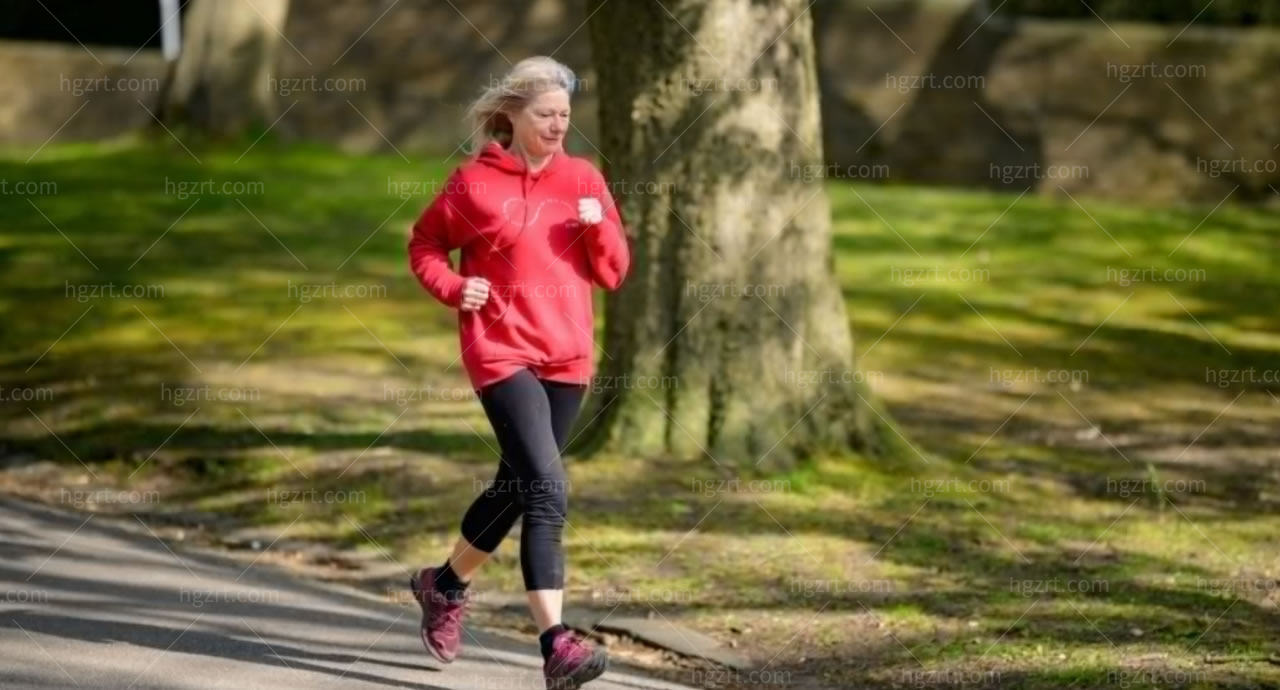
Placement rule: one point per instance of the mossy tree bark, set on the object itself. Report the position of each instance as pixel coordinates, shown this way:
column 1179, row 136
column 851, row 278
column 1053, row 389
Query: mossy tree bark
column 730, row 336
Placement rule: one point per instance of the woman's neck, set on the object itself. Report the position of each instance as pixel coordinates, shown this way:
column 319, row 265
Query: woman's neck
column 533, row 164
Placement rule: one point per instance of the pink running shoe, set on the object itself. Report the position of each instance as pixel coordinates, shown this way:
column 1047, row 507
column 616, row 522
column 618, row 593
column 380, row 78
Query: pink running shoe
column 441, row 628
column 573, row 662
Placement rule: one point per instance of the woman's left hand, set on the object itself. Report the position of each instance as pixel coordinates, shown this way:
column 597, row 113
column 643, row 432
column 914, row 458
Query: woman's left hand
column 589, row 210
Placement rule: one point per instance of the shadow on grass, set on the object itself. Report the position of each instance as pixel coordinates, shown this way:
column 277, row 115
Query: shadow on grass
column 230, row 264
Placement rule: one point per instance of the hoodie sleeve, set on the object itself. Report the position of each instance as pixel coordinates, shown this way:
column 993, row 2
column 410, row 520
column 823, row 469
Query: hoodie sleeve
column 433, row 236
column 607, row 245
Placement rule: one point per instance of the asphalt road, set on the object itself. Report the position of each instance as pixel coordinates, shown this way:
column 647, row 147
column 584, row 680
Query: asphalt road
column 89, row 602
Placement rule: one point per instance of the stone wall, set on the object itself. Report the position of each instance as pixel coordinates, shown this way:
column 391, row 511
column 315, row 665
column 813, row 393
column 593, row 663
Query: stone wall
column 916, row 90
column 935, row 93
column 55, row 88
column 421, row 63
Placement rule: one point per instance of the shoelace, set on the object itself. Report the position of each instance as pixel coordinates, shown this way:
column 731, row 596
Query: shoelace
column 576, row 649
column 450, row 612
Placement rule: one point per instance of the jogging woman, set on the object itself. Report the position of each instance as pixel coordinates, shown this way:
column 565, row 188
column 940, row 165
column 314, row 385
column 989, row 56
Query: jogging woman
column 537, row 228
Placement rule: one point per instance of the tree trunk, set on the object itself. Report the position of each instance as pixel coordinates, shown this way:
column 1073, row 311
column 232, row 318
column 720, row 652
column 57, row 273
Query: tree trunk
column 221, row 83
column 730, row 337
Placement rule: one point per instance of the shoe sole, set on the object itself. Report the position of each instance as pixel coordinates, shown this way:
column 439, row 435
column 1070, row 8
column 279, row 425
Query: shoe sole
column 422, row 626
column 589, row 671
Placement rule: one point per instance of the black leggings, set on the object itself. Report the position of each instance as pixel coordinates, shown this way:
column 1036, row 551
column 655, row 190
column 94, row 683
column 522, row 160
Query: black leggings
column 531, row 418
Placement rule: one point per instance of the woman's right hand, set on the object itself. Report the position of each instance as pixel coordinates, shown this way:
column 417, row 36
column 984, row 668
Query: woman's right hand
column 475, row 292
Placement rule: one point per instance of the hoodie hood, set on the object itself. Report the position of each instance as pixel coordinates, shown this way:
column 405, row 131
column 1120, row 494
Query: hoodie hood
column 495, row 156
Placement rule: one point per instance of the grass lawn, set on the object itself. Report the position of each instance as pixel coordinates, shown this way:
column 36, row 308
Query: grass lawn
column 1093, row 387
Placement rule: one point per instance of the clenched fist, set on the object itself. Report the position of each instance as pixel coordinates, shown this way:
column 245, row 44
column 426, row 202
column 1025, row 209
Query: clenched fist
column 475, row 293
column 589, row 210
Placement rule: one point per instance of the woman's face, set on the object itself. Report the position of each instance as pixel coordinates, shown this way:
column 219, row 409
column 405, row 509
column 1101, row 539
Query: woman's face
column 540, row 127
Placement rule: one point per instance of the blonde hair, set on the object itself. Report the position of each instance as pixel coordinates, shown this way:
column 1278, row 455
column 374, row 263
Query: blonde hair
column 488, row 115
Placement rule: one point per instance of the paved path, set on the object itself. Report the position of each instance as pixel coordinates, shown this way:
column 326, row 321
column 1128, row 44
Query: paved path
column 88, row 602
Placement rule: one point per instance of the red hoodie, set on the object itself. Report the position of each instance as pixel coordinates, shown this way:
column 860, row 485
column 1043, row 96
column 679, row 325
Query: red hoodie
column 520, row 230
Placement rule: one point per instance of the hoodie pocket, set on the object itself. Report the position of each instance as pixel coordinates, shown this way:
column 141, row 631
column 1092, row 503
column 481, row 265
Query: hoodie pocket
column 497, row 305
column 482, row 332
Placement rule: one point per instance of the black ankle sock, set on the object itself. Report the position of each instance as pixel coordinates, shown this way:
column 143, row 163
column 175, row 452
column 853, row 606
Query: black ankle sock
column 544, row 640
column 448, row 583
